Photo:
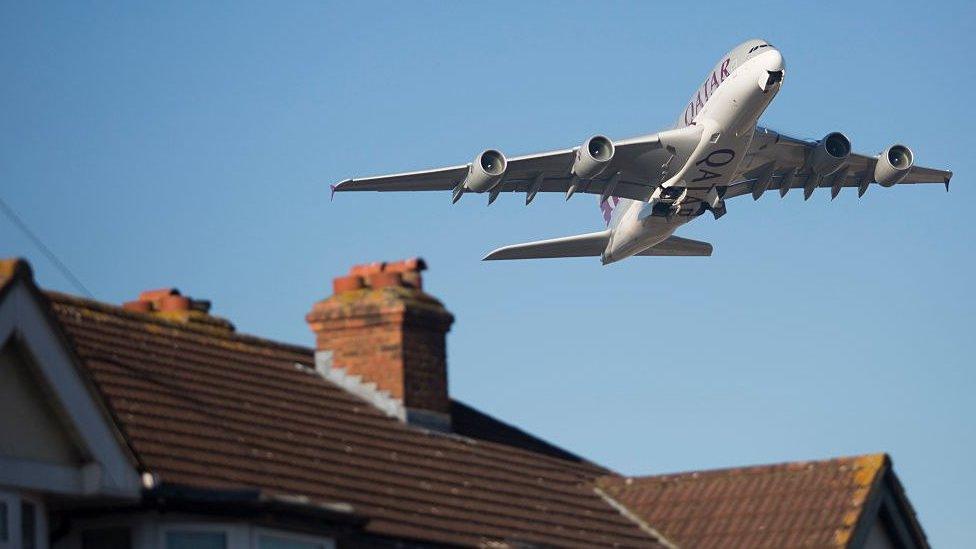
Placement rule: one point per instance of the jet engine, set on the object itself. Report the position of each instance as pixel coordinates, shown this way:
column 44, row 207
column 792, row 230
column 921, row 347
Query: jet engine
column 830, row 154
column 486, row 171
column 593, row 157
column 893, row 165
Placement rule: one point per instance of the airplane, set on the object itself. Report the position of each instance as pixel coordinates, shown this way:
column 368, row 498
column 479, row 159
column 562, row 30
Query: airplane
column 650, row 185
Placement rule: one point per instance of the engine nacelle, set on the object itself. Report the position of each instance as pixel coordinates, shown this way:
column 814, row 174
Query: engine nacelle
column 830, row 154
column 893, row 165
column 593, row 157
column 486, row 171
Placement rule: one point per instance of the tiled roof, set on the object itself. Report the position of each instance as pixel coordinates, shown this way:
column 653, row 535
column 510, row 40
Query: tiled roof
column 211, row 408
column 800, row 504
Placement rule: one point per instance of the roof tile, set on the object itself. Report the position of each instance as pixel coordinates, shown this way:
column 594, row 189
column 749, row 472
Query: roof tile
column 800, row 504
column 218, row 409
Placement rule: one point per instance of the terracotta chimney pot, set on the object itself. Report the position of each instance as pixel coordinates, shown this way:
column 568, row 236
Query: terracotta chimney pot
column 158, row 294
column 349, row 283
column 174, row 303
column 367, row 269
column 385, row 280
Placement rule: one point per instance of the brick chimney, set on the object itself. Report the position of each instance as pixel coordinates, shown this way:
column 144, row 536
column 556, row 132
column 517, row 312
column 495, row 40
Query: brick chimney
column 379, row 335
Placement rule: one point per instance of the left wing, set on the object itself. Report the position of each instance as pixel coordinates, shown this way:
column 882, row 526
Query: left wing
column 777, row 161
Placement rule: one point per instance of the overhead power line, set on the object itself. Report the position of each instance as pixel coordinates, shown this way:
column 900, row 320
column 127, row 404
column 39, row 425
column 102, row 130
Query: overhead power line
column 22, row 225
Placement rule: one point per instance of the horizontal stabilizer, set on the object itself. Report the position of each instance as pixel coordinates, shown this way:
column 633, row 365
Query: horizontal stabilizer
column 580, row 245
column 675, row 246
column 593, row 245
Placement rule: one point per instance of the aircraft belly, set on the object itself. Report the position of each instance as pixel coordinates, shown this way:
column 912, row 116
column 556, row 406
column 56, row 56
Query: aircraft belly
column 716, row 165
column 639, row 230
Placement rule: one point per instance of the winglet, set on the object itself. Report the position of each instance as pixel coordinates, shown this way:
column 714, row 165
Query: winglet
column 948, row 177
column 336, row 187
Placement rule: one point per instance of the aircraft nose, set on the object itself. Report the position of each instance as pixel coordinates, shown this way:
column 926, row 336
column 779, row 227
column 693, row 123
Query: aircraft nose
column 774, row 61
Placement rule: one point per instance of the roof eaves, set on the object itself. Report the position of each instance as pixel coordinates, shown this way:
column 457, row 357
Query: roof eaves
column 169, row 496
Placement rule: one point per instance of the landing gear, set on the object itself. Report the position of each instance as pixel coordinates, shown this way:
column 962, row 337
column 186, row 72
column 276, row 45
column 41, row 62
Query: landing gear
column 669, row 201
column 662, row 209
column 717, row 210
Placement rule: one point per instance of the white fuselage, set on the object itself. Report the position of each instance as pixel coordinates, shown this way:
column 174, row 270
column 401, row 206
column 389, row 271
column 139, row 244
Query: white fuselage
column 726, row 108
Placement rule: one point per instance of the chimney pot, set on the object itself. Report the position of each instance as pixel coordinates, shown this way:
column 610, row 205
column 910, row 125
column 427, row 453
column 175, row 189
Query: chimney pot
column 167, row 303
column 157, row 295
column 367, row 269
column 414, row 264
column 349, row 283
column 385, row 280
column 174, row 303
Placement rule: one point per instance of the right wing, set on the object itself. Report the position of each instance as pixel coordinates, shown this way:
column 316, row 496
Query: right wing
column 626, row 176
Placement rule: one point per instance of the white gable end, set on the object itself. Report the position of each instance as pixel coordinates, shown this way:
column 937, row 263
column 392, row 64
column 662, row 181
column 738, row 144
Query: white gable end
column 54, row 435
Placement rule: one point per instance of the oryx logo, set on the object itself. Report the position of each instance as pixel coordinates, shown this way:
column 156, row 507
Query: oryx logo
column 715, row 159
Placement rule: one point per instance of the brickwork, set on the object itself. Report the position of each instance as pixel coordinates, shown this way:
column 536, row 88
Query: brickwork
column 379, row 324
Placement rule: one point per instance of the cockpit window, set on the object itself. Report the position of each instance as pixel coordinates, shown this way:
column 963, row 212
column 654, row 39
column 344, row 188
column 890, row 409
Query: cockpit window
column 754, row 48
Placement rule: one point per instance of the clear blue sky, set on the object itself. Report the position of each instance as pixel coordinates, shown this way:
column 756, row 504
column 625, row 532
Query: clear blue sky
column 192, row 145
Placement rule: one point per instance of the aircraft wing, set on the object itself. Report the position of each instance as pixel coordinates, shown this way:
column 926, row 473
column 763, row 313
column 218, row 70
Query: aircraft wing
column 779, row 162
column 626, row 176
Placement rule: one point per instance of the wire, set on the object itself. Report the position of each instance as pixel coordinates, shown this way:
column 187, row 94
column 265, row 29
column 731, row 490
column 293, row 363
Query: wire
column 12, row 215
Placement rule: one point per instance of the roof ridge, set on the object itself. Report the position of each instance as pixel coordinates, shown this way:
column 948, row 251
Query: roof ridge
column 202, row 330
column 858, row 460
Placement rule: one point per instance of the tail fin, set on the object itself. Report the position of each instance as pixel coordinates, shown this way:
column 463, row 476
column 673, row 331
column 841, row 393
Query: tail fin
column 607, row 206
column 580, row 245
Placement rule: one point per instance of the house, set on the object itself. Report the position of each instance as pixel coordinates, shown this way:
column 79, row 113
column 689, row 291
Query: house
column 155, row 424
